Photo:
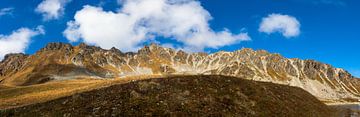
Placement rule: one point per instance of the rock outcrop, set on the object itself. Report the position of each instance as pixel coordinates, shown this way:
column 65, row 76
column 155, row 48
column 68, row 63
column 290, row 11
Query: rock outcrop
column 12, row 63
column 58, row 61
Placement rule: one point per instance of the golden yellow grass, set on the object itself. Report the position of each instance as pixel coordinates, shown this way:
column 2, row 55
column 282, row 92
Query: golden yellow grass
column 15, row 96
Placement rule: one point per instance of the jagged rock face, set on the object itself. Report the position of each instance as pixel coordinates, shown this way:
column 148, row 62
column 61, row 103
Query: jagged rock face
column 12, row 63
column 58, row 61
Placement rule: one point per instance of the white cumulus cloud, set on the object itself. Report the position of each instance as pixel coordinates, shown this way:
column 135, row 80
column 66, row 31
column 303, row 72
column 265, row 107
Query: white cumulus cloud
column 18, row 40
column 287, row 25
column 136, row 21
column 52, row 9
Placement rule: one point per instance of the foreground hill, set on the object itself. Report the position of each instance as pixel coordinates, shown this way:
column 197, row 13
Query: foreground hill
column 184, row 96
column 59, row 61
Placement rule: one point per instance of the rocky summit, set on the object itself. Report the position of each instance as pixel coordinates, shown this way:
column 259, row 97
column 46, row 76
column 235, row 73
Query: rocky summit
column 59, row 61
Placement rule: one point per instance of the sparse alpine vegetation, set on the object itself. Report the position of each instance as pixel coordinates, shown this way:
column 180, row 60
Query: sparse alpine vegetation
column 184, row 96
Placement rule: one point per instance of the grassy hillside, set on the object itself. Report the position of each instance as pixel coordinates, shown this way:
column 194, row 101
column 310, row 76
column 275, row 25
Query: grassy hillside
column 184, row 96
column 16, row 96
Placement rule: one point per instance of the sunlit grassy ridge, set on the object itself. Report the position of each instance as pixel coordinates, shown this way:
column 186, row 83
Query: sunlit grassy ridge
column 14, row 96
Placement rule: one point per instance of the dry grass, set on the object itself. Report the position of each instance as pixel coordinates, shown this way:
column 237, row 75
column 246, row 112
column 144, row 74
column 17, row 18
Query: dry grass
column 184, row 96
column 16, row 96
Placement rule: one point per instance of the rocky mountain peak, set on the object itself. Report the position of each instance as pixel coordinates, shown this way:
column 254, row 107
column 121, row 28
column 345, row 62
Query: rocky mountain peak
column 156, row 50
column 246, row 50
column 144, row 51
column 84, row 46
column 115, row 50
column 154, row 45
column 57, row 46
column 14, row 56
column 12, row 63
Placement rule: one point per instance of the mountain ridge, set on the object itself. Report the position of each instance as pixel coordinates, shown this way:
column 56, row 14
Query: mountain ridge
column 61, row 61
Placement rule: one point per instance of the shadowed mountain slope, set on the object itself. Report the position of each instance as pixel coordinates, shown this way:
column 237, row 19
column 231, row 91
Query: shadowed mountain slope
column 184, row 96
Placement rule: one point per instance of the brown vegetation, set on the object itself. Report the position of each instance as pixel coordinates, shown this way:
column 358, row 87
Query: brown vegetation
column 15, row 96
column 184, row 96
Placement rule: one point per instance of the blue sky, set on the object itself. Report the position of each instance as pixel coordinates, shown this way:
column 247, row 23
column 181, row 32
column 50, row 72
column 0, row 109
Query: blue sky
column 328, row 29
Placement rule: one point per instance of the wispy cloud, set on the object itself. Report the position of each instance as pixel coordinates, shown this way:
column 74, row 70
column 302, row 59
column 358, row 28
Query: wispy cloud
column 6, row 11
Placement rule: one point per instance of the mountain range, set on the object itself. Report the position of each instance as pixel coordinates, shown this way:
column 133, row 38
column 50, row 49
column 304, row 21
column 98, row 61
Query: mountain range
column 61, row 61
